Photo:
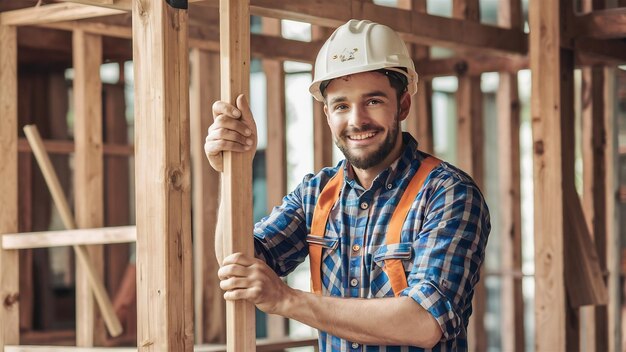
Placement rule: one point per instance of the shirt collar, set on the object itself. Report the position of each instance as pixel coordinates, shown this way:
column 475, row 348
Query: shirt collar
column 396, row 171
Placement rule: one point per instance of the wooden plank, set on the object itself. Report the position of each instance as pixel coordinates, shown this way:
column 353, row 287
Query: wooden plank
column 469, row 64
column 602, row 24
column 553, row 148
column 53, row 13
column 27, row 348
column 164, row 268
column 210, row 319
column 237, row 176
column 322, row 135
column 102, row 298
column 420, row 123
column 614, row 242
column 47, row 239
column 276, row 150
column 419, row 28
column 68, row 147
column 508, row 110
column 89, row 178
column 9, row 262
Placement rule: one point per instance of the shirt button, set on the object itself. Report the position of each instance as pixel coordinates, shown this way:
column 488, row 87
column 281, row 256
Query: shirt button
column 354, row 282
column 356, row 247
column 389, row 186
column 355, row 345
column 364, row 205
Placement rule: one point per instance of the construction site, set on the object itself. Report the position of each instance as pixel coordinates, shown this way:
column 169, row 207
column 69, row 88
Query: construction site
column 108, row 205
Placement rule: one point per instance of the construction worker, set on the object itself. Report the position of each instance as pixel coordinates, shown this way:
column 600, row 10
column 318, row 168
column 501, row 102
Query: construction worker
column 396, row 238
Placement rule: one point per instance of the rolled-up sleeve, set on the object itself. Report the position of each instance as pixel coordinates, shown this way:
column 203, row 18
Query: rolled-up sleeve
column 279, row 238
column 449, row 251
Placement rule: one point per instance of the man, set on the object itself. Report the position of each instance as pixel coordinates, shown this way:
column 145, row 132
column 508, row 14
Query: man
column 396, row 238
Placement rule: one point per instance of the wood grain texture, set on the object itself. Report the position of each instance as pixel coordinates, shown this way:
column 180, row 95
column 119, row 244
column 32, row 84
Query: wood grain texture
column 162, row 164
column 322, row 135
column 210, row 318
column 47, row 239
column 9, row 262
column 237, row 176
column 53, row 13
column 88, row 177
column 508, row 110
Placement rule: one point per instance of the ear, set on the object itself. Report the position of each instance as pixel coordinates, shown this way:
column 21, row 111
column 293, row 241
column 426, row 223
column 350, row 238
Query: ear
column 326, row 112
column 405, row 106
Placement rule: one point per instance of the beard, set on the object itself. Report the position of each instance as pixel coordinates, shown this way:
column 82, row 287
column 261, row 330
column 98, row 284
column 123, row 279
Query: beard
column 375, row 157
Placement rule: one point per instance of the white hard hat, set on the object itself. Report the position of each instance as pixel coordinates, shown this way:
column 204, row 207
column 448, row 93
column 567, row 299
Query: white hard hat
column 361, row 46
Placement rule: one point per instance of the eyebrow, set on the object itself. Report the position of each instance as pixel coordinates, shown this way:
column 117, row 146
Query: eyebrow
column 376, row 93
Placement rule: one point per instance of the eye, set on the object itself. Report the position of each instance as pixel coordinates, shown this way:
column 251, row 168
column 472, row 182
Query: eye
column 340, row 107
column 374, row 102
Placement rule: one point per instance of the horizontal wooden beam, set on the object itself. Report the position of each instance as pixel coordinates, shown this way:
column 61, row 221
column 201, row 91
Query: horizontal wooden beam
column 54, row 13
column 262, row 345
column 420, row 28
column 469, row 65
column 68, row 147
column 602, row 24
column 47, row 239
column 609, row 50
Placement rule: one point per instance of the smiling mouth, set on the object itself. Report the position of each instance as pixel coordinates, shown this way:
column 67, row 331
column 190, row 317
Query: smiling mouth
column 362, row 136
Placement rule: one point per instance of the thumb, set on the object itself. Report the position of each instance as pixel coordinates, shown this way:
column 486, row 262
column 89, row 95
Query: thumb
column 246, row 114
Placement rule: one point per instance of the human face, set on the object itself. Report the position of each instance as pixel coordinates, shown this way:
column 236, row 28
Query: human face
column 364, row 116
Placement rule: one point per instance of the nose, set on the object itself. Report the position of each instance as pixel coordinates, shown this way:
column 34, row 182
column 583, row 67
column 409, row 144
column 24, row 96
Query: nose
column 359, row 116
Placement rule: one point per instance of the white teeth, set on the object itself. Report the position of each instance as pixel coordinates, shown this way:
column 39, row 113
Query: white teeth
column 362, row 136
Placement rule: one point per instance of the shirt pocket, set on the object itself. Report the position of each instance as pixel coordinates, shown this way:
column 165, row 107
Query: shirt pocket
column 379, row 281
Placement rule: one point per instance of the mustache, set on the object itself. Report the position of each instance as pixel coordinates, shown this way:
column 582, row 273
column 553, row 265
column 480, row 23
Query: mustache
column 364, row 128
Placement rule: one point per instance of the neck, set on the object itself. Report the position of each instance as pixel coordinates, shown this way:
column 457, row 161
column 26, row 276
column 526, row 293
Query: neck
column 366, row 177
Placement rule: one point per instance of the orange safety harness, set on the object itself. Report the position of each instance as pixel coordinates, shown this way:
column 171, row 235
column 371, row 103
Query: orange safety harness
column 328, row 198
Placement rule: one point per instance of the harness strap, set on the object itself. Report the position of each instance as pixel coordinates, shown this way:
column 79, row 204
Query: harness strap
column 327, row 199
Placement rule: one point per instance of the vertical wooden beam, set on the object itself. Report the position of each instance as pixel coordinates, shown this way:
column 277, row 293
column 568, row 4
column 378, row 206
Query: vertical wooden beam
column 614, row 242
column 237, row 175
column 420, row 122
column 594, row 332
column 276, row 151
column 210, row 319
column 9, row 262
column 553, row 154
column 322, row 136
column 470, row 158
column 88, row 195
column 508, row 110
column 164, row 287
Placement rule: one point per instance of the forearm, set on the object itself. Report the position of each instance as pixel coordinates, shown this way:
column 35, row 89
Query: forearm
column 380, row 321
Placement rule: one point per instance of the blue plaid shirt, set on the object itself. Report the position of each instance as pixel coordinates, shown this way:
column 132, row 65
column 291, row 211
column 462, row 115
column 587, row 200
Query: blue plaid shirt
column 442, row 242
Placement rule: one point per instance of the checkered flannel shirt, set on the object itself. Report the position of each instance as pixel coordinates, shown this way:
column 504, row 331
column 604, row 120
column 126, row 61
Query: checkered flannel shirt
column 442, row 242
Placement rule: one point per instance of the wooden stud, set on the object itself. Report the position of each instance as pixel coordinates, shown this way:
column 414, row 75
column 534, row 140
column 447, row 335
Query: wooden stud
column 210, row 318
column 237, row 176
column 53, row 13
column 164, row 269
column 322, row 135
column 470, row 158
column 9, row 262
column 420, row 122
column 47, row 239
column 89, row 184
column 52, row 180
column 276, row 151
column 508, row 110
column 553, row 148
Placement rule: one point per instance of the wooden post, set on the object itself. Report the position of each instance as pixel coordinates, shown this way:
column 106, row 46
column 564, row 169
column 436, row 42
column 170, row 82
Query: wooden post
column 164, row 276
column 210, row 318
column 9, row 263
column 553, row 154
column 508, row 109
column 420, row 122
column 237, row 175
column 276, row 151
column 470, row 158
column 322, row 136
column 88, row 195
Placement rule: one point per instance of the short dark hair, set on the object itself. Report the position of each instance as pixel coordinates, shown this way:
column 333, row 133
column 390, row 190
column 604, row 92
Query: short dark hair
column 397, row 80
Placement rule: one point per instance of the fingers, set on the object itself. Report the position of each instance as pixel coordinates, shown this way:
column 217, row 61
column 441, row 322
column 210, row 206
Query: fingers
column 239, row 258
column 223, row 108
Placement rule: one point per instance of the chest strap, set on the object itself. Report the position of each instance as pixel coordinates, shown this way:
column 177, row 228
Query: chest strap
column 327, row 199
